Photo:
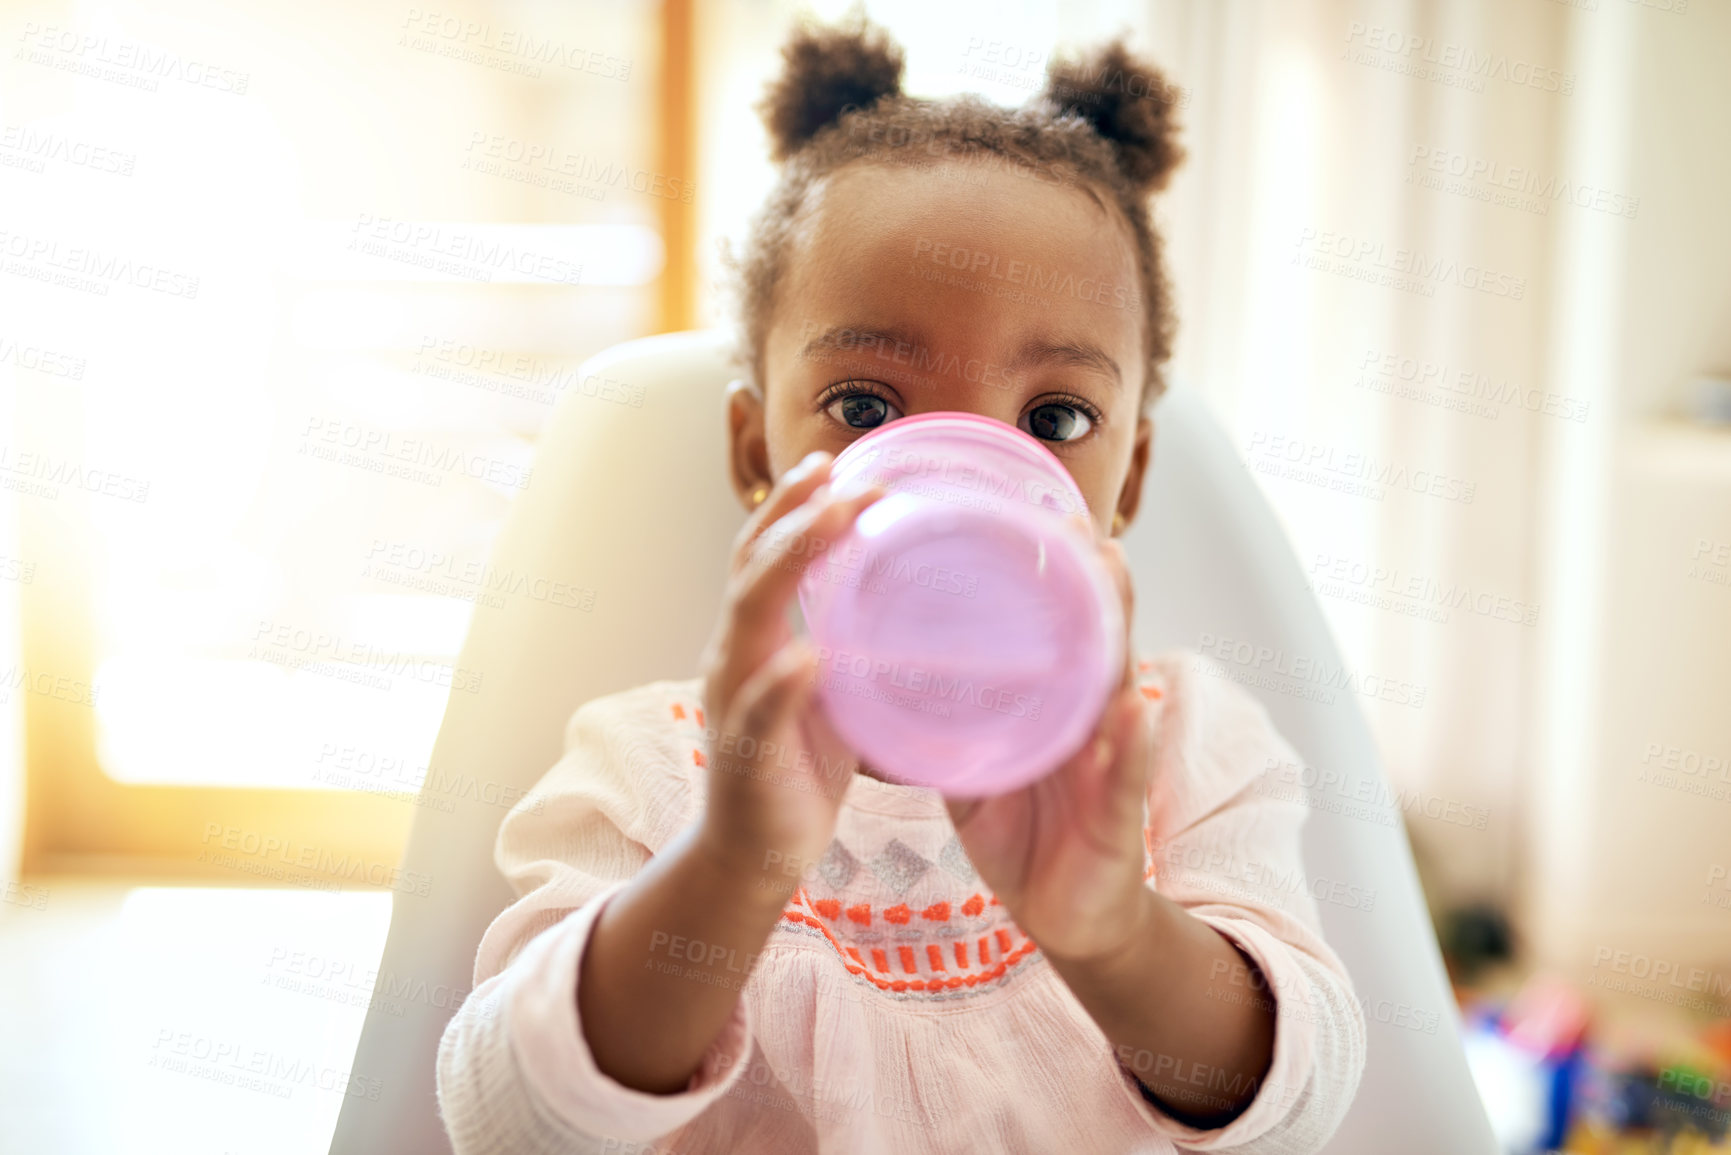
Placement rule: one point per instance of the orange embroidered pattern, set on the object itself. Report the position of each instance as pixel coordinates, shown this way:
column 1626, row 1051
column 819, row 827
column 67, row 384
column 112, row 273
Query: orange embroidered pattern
column 937, row 975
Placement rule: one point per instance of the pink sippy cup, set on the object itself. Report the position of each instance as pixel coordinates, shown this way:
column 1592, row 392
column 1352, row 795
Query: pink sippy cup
column 967, row 633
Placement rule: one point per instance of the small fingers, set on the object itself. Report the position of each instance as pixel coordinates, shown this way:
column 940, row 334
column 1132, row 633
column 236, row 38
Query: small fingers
column 778, row 559
column 1112, row 553
column 835, row 762
column 1114, row 760
column 790, row 492
column 754, row 617
column 1130, row 741
column 773, row 694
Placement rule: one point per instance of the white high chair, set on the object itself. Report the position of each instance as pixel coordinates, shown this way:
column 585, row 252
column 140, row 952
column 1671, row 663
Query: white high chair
column 634, row 503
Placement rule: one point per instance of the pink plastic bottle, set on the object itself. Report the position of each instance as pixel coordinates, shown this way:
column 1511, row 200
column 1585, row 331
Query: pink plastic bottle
column 967, row 632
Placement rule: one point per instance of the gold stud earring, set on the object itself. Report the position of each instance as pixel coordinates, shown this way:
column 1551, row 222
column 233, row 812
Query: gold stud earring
column 1117, row 524
column 758, row 494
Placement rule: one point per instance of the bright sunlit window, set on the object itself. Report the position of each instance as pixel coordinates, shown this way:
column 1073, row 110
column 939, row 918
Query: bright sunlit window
column 321, row 313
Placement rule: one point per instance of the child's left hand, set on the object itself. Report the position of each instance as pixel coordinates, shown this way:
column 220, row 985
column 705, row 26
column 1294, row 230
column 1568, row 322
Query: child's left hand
column 1065, row 854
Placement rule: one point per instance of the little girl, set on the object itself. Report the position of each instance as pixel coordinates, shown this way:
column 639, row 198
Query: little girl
column 734, row 937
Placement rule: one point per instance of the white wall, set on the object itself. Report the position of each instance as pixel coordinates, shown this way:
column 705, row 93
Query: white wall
column 1622, row 854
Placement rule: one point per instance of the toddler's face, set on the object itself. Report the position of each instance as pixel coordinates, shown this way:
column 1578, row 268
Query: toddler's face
column 963, row 286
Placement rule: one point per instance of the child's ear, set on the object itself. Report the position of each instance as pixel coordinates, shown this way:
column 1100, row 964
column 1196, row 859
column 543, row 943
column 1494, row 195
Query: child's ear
column 747, row 443
column 828, row 71
column 1141, row 453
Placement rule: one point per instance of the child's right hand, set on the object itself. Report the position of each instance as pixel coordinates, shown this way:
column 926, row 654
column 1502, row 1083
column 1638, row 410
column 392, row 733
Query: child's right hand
column 776, row 770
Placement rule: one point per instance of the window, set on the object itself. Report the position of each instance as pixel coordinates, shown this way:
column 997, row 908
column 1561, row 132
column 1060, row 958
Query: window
column 295, row 290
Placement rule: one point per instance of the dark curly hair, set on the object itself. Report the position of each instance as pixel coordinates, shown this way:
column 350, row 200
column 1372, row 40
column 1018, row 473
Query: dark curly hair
column 1105, row 123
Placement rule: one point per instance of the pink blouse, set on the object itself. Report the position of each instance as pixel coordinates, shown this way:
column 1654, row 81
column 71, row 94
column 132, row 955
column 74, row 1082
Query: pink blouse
column 896, row 1007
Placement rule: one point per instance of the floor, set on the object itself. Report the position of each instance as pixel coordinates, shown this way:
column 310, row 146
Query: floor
column 184, row 1020
column 178, row 1020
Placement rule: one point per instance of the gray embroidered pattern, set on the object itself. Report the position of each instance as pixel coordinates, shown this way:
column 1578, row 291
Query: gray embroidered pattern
column 837, row 866
column 898, row 866
column 955, row 860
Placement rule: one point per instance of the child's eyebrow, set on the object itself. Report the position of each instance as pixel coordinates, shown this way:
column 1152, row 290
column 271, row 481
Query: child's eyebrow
column 1043, row 350
column 850, row 338
column 1035, row 351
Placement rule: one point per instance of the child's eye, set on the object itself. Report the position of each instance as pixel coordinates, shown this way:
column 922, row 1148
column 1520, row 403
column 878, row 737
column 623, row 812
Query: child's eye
column 858, row 407
column 1067, row 420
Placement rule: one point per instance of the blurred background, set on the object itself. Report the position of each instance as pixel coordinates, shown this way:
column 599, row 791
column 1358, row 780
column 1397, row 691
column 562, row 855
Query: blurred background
column 288, row 289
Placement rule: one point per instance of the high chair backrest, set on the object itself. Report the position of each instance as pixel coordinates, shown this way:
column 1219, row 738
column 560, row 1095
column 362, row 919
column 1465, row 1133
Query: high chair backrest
column 621, row 540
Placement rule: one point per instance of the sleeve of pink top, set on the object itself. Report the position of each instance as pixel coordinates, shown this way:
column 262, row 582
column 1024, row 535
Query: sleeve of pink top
column 1211, row 825
column 515, row 1073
